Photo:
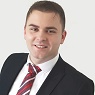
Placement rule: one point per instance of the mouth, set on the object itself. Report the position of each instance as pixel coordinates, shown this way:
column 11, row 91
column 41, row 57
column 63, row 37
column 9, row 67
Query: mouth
column 40, row 46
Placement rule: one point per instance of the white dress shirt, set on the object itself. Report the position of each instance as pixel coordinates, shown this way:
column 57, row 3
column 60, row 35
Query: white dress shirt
column 40, row 77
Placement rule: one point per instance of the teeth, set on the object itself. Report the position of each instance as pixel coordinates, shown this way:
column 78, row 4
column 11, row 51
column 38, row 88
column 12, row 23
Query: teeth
column 40, row 46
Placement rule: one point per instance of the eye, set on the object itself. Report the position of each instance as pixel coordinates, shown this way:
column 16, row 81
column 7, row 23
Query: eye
column 51, row 31
column 34, row 29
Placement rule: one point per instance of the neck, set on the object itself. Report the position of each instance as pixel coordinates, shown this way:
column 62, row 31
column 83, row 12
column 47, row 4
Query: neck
column 40, row 60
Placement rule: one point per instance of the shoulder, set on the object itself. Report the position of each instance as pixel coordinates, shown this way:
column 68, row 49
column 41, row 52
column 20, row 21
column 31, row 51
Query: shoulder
column 14, row 58
column 75, row 74
column 17, row 55
column 72, row 71
column 78, row 79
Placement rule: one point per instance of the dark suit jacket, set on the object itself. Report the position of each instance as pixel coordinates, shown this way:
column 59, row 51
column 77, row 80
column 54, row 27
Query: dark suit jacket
column 62, row 80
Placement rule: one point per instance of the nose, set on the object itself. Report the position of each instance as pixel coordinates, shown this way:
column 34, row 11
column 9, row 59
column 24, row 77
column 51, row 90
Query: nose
column 41, row 36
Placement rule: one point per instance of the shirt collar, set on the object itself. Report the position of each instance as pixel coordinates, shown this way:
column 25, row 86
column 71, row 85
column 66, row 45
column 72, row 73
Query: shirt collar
column 46, row 66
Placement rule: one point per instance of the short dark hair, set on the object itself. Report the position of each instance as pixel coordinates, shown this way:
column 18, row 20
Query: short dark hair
column 48, row 6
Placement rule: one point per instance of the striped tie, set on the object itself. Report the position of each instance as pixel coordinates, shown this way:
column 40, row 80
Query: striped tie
column 27, row 83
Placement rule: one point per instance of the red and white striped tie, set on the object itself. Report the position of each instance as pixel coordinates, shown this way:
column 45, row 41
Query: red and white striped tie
column 27, row 83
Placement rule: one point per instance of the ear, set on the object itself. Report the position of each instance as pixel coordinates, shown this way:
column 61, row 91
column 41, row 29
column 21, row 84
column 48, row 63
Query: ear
column 64, row 33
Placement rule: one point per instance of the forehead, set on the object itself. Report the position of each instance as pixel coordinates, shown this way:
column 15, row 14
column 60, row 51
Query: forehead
column 44, row 19
column 43, row 16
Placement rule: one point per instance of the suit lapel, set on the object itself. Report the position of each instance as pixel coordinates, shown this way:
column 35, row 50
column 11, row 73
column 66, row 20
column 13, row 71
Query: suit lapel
column 10, row 72
column 53, row 78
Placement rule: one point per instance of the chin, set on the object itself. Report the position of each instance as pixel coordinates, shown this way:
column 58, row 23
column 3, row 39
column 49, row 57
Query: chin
column 39, row 57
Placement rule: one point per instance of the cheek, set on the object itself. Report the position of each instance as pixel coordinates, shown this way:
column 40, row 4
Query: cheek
column 55, row 42
column 59, row 39
column 28, row 40
column 28, row 37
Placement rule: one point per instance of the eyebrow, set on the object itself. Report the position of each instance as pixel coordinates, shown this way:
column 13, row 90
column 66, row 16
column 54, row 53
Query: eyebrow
column 33, row 25
column 50, row 27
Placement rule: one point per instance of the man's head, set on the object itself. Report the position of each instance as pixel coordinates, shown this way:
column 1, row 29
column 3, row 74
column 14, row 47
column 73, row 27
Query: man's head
column 48, row 6
column 44, row 31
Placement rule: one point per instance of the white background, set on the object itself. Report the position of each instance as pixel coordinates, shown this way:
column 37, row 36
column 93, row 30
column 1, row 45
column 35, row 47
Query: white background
column 79, row 47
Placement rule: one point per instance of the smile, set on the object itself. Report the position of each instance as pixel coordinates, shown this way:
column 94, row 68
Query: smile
column 41, row 46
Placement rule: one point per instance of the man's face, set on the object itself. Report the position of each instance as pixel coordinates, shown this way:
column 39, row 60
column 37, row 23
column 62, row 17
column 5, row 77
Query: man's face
column 43, row 34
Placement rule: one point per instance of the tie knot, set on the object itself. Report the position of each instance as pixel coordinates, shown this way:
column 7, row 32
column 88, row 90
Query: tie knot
column 33, row 69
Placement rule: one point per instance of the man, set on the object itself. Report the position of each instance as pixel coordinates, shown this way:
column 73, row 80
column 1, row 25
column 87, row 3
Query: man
column 44, row 31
